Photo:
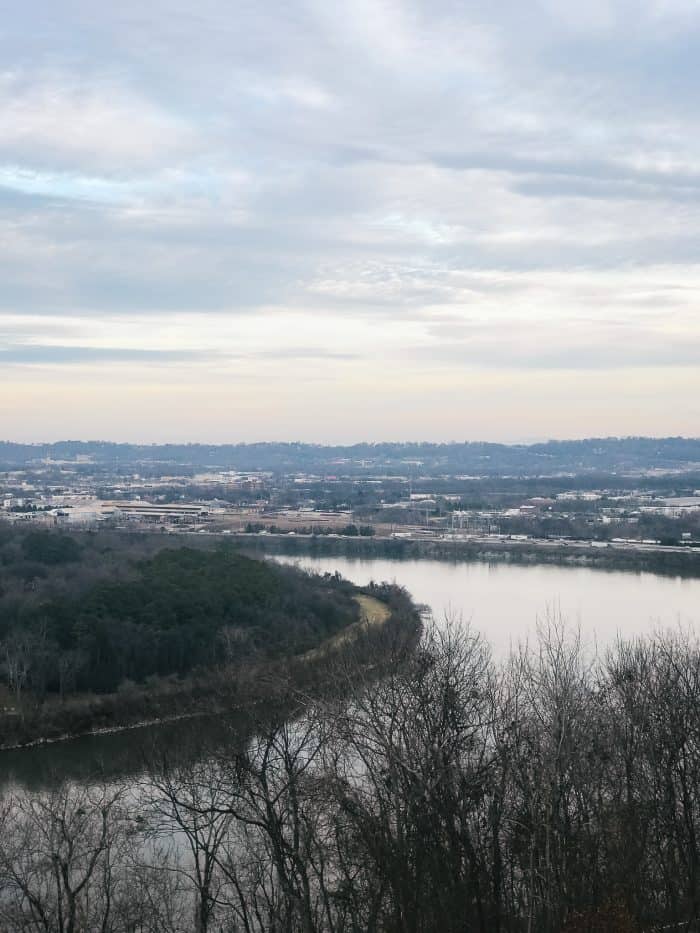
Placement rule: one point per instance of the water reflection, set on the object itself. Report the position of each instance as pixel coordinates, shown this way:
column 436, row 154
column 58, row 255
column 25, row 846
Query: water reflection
column 503, row 601
column 119, row 755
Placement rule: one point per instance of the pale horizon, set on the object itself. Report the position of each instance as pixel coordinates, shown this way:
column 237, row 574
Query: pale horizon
column 408, row 441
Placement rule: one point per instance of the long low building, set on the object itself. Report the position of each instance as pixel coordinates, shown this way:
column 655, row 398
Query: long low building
column 674, row 507
column 155, row 511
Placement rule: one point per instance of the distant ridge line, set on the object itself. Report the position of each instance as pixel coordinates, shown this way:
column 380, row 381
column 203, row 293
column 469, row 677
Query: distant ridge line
column 608, row 454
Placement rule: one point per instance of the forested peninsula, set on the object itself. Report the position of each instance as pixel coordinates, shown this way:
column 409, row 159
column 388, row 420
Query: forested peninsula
column 102, row 631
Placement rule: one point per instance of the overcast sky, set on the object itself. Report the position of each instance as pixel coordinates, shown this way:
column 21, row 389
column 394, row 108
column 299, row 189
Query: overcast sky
column 227, row 221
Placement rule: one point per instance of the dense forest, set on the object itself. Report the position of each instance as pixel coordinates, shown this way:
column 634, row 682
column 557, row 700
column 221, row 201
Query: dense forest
column 93, row 612
column 549, row 793
column 632, row 454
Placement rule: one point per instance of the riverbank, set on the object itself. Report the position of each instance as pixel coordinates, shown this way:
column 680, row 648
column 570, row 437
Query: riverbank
column 387, row 617
column 676, row 562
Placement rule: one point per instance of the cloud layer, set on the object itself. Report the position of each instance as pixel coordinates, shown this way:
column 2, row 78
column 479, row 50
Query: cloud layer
column 296, row 212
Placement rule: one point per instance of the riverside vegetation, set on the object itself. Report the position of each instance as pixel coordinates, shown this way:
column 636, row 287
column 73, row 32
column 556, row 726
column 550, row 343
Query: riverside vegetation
column 550, row 793
column 98, row 631
column 403, row 784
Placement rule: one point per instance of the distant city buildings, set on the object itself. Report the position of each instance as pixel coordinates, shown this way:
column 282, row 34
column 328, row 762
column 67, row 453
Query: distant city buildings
column 82, row 494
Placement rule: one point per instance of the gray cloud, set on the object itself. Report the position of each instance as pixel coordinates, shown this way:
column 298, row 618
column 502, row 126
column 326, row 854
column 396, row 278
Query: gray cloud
column 611, row 342
column 557, row 186
column 36, row 354
column 303, row 353
column 592, row 357
column 376, row 159
column 20, row 354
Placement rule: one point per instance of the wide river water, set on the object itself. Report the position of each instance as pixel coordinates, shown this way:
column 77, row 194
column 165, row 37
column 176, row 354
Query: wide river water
column 502, row 601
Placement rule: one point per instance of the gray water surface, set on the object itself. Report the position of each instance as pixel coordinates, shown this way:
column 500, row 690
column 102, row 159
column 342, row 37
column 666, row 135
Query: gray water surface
column 502, row 601
column 505, row 601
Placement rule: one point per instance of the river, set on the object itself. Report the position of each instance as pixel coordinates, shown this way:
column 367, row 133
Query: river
column 502, row 601
column 505, row 601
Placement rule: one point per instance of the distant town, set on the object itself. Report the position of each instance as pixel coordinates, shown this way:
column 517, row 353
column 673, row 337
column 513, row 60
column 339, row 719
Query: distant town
column 640, row 493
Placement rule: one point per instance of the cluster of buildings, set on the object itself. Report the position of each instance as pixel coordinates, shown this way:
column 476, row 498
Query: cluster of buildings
column 77, row 495
column 89, row 511
column 57, row 494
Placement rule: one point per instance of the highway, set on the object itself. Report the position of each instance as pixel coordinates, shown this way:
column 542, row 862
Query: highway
column 503, row 541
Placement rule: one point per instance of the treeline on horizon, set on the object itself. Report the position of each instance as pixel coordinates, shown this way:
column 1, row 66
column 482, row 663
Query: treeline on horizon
column 93, row 612
column 598, row 454
column 546, row 793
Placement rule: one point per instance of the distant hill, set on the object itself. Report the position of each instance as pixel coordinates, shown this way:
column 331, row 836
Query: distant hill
column 612, row 454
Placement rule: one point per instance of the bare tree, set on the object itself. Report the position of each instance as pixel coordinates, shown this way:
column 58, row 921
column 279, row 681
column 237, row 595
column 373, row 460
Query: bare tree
column 188, row 807
column 57, row 860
